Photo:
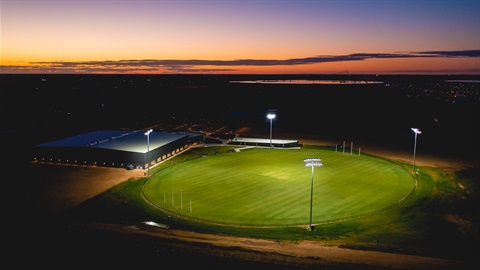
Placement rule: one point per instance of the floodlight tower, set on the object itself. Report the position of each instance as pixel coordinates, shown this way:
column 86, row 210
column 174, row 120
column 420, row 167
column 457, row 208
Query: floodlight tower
column 271, row 116
column 416, row 131
column 148, row 149
column 312, row 162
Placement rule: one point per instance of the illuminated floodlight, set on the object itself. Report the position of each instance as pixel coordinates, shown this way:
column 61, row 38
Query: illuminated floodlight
column 416, row 131
column 271, row 116
column 155, row 224
column 312, row 162
column 148, row 148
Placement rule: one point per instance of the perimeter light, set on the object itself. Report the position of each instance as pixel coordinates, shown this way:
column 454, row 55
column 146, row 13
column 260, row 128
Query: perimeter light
column 312, row 162
column 271, row 116
column 416, row 131
column 148, row 149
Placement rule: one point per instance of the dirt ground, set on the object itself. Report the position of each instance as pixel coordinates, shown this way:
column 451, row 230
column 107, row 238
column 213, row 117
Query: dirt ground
column 72, row 185
column 88, row 182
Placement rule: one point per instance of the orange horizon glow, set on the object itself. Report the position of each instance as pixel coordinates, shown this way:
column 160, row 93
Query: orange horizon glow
column 467, row 66
column 234, row 37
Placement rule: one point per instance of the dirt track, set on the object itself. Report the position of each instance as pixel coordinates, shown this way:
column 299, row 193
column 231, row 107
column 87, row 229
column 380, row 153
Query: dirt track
column 308, row 254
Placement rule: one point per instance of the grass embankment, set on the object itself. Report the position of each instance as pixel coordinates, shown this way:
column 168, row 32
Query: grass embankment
column 439, row 219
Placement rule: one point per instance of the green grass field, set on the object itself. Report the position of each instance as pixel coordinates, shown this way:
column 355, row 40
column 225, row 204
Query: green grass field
column 360, row 187
column 271, row 187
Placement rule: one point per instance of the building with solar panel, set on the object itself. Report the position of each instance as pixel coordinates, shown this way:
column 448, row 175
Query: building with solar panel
column 116, row 148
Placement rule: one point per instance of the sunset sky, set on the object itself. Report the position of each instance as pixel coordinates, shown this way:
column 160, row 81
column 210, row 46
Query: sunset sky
column 241, row 36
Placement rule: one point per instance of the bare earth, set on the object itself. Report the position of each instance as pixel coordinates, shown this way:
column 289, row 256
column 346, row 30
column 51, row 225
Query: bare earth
column 88, row 182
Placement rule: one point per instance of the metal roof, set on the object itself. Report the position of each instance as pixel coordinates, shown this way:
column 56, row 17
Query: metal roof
column 122, row 140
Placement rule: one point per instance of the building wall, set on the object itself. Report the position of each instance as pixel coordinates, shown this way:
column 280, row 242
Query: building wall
column 94, row 156
column 159, row 154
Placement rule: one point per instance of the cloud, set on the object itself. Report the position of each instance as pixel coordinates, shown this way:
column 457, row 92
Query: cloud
column 205, row 66
column 467, row 53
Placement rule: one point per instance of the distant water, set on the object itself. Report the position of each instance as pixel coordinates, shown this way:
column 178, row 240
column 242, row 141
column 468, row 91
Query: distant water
column 309, row 82
column 464, row 81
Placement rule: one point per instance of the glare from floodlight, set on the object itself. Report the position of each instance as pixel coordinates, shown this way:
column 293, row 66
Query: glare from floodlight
column 271, row 116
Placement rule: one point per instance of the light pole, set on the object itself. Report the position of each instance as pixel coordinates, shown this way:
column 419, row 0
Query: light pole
column 312, row 162
column 148, row 149
column 271, row 116
column 416, row 131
